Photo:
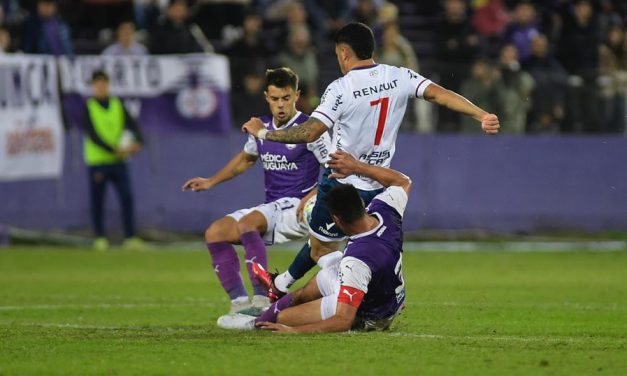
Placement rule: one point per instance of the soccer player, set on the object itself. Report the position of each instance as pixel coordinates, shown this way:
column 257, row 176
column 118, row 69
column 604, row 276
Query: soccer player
column 366, row 289
column 291, row 175
column 365, row 108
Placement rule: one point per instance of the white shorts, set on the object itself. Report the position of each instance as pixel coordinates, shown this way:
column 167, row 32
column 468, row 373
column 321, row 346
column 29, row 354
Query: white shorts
column 328, row 280
column 281, row 218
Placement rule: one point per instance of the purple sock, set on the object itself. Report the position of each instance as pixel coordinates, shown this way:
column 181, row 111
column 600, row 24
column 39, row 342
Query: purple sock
column 255, row 252
column 226, row 265
column 273, row 311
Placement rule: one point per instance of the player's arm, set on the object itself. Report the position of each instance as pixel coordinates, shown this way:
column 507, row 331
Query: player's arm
column 455, row 102
column 344, row 164
column 306, row 132
column 342, row 321
column 236, row 166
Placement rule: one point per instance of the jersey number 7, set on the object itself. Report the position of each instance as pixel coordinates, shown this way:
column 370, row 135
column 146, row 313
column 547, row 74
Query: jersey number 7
column 383, row 114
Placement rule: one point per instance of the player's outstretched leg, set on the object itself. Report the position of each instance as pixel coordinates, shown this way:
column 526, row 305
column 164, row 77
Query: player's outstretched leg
column 297, row 269
column 219, row 237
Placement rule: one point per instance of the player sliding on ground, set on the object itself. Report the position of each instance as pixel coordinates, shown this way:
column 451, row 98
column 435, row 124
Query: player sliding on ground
column 365, row 289
column 365, row 108
column 291, row 175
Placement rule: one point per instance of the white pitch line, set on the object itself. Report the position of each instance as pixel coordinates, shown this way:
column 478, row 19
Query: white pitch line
column 101, row 306
column 502, row 338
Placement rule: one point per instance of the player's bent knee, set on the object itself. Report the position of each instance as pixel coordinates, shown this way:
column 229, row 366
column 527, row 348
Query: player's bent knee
column 319, row 249
column 254, row 221
column 220, row 231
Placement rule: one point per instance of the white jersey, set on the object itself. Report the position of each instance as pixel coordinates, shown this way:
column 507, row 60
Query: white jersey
column 365, row 109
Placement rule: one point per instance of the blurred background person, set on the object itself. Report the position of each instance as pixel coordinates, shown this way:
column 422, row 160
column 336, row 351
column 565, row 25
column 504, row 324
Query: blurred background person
column 111, row 137
column 548, row 97
column 578, row 51
column 301, row 58
column 5, row 41
column 172, row 33
column 523, row 29
column 250, row 101
column 613, row 79
column 327, row 16
column 456, row 45
column 45, row 32
column 518, row 86
column 248, row 50
column 485, row 89
column 126, row 44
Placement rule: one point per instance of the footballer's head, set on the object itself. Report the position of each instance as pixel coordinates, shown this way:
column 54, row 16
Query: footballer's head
column 282, row 93
column 345, row 206
column 353, row 42
column 100, row 84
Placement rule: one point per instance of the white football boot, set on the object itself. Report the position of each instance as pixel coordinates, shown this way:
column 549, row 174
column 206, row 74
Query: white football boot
column 237, row 321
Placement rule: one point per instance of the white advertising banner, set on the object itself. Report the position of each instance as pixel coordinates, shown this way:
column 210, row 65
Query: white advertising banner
column 31, row 132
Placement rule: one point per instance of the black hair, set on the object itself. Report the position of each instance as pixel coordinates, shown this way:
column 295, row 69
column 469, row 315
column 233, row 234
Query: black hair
column 282, row 77
column 344, row 202
column 99, row 75
column 358, row 37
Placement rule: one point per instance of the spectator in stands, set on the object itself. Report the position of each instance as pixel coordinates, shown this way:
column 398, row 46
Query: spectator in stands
column 301, row 58
column 5, row 41
column 45, row 32
column 578, row 51
column 126, row 44
column 490, row 18
column 548, row 97
column 250, row 101
column 394, row 49
column 523, row 28
column 296, row 18
column 608, row 17
column 456, row 45
column 172, row 34
column 518, row 86
column 365, row 12
column 97, row 15
column 613, row 69
column 327, row 16
column 249, row 50
column 111, row 137
column 485, row 89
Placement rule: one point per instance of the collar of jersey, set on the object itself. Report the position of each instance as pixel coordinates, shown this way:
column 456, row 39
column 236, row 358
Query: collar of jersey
column 371, row 231
column 365, row 67
column 287, row 125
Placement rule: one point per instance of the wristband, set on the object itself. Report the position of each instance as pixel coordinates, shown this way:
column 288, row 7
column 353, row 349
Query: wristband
column 262, row 134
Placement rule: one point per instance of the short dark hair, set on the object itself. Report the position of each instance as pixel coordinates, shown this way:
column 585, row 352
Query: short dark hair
column 344, row 202
column 281, row 78
column 99, row 75
column 358, row 37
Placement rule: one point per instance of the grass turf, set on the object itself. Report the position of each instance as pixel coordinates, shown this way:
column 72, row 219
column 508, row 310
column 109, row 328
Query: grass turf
column 80, row 312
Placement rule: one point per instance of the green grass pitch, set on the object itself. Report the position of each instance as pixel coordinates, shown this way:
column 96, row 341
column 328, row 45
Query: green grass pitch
column 77, row 312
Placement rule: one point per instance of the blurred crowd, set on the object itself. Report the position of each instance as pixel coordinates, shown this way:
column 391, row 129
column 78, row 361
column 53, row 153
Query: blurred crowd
column 544, row 66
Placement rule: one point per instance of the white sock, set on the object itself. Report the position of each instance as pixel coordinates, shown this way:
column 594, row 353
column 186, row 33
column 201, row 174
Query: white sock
column 329, row 259
column 283, row 281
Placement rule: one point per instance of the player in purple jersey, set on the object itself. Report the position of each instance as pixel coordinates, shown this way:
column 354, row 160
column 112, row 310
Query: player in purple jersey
column 291, row 175
column 364, row 108
column 366, row 289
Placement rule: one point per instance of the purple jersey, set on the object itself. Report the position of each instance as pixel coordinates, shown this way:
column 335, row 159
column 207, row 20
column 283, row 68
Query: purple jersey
column 290, row 170
column 372, row 262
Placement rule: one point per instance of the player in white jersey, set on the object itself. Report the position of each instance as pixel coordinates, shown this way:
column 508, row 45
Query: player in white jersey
column 364, row 108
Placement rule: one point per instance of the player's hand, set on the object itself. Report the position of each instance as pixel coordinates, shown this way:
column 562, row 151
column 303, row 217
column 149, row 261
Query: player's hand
column 122, row 153
column 253, row 126
column 134, row 149
column 274, row 327
column 197, row 184
column 490, row 124
column 343, row 164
